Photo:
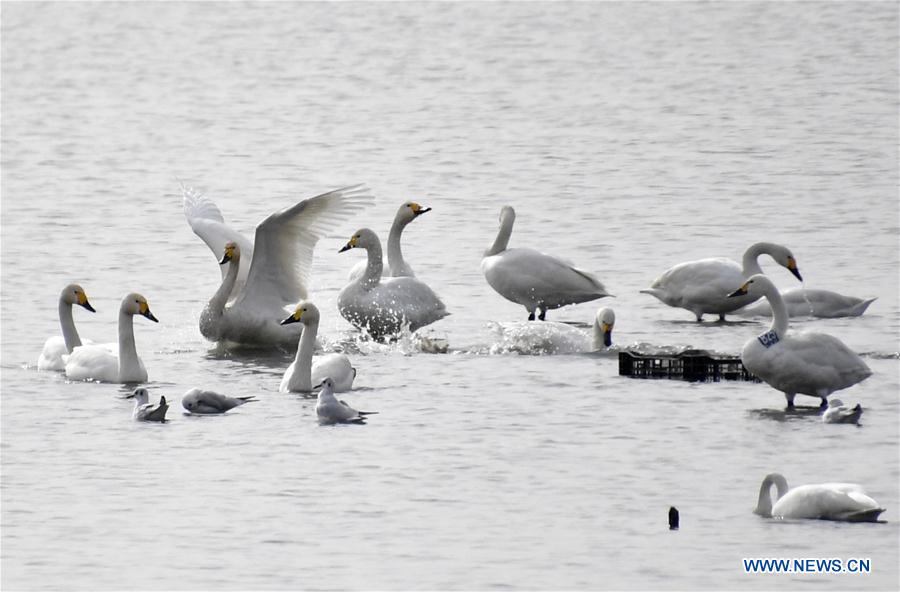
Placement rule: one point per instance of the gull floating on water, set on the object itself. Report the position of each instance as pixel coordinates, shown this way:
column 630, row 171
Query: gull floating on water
column 837, row 412
column 330, row 410
column 209, row 402
column 144, row 410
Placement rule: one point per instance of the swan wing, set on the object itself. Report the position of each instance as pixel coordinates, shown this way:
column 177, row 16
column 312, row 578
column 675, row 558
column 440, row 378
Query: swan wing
column 51, row 357
column 92, row 362
column 284, row 243
column 827, row 501
column 335, row 366
column 525, row 275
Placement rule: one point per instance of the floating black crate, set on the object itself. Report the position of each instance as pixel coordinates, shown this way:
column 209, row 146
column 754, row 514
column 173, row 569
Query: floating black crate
column 691, row 365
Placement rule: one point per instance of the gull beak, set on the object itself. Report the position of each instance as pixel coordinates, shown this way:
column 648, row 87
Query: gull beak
column 742, row 291
column 320, row 385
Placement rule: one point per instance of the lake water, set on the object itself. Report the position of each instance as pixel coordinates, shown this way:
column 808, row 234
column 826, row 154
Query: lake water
column 629, row 137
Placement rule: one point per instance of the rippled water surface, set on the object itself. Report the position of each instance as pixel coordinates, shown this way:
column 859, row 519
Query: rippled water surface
column 629, row 137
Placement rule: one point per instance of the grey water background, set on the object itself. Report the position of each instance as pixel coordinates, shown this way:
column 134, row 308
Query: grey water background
column 629, row 137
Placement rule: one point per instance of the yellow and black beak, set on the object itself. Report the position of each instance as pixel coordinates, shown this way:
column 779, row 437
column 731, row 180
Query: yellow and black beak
column 792, row 266
column 145, row 312
column 350, row 244
column 419, row 210
column 83, row 301
column 742, row 291
column 294, row 318
column 606, row 329
column 229, row 254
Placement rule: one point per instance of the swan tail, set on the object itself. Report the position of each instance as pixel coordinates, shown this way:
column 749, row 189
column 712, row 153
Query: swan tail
column 870, row 515
column 860, row 308
column 367, row 412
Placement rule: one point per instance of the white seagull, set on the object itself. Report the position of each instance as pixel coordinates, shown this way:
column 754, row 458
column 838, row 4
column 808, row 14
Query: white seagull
column 144, row 410
column 330, row 410
column 208, row 402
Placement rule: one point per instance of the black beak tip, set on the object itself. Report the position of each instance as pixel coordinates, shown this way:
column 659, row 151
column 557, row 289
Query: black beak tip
column 345, row 248
column 607, row 339
column 150, row 316
column 287, row 321
column 796, row 273
column 422, row 211
column 88, row 306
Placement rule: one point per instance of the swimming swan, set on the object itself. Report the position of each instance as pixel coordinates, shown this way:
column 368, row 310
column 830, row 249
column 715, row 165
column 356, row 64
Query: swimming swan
column 814, row 364
column 278, row 274
column 331, row 411
column 56, row 347
column 846, row 502
column 802, row 302
column 557, row 338
column 533, row 279
column 837, row 412
column 398, row 267
column 384, row 306
column 303, row 373
column 96, row 362
column 702, row 286
column 144, row 410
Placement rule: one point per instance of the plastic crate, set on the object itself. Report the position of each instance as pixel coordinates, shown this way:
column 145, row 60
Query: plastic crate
column 690, row 365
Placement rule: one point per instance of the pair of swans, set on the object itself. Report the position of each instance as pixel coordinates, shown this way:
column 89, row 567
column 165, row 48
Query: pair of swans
column 537, row 281
column 396, row 265
column 702, row 286
column 56, row 348
column 807, row 363
column 846, row 502
column 265, row 278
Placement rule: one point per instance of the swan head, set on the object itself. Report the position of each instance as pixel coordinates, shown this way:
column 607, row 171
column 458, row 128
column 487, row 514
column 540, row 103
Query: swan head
column 74, row 294
column 410, row 211
column 757, row 285
column 764, row 504
column 606, row 320
column 140, row 395
column 362, row 238
column 135, row 304
column 232, row 252
column 784, row 257
column 306, row 313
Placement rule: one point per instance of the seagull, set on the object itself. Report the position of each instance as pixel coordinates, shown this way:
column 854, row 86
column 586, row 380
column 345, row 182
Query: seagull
column 837, row 412
column 331, row 411
column 209, row 402
column 146, row 411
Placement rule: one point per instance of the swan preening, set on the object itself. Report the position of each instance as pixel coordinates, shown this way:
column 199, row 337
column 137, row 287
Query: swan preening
column 802, row 302
column 396, row 266
column 556, row 338
column 702, row 286
column 97, row 362
column 814, row 364
column 251, row 300
column 208, row 402
column 144, row 410
column 303, row 373
column 384, row 306
column 55, row 348
column 837, row 412
column 845, row 502
column 533, row 279
column 330, row 410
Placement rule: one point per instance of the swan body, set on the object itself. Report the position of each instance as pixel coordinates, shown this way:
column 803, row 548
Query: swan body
column 55, row 348
column 397, row 266
column 97, row 362
column 814, row 364
column 533, row 279
column 305, row 371
column 702, row 286
column 383, row 307
column 845, row 502
column 208, row 402
column 252, row 298
column 330, row 411
column 837, row 412
column 803, row 302
column 557, row 338
column 144, row 410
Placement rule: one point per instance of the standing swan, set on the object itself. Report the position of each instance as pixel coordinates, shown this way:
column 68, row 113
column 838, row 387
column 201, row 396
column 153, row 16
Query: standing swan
column 845, row 502
column 398, row 267
column 533, row 279
column 814, row 364
column 384, row 307
column 247, row 312
column 56, row 347
column 701, row 286
column 302, row 373
column 96, row 362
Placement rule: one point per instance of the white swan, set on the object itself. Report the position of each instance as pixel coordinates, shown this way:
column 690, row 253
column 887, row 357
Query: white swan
column 814, row 364
column 144, row 410
column 802, row 302
column 209, row 402
column 56, row 347
column 303, row 373
column 846, row 502
column 534, row 279
column 556, row 338
column 384, row 307
column 96, row 362
column 247, row 311
column 397, row 266
column 837, row 412
column 330, row 410
column 702, row 286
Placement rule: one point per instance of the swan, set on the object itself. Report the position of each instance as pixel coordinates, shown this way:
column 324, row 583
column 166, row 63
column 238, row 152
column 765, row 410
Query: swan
column 846, row 502
column 330, row 410
column 96, row 362
column 56, row 347
column 397, row 266
column 803, row 302
column 814, row 364
column 252, row 298
column 837, row 412
column 144, row 410
column 701, row 286
column 208, row 402
column 302, row 373
column 557, row 338
column 384, row 306
column 534, row 279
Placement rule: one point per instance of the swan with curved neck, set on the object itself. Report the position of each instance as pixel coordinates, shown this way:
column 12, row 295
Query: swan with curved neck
column 56, row 347
column 303, row 373
column 702, row 286
column 383, row 307
column 96, row 362
column 535, row 280
column 556, row 338
column 846, row 502
column 814, row 364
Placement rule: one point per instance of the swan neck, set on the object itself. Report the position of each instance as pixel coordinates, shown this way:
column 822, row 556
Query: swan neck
column 128, row 358
column 779, row 311
column 67, row 324
column 764, row 504
column 302, row 378
column 598, row 341
column 374, row 266
column 502, row 240
column 217, row 303
column 395, row 256
column 750, row 262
